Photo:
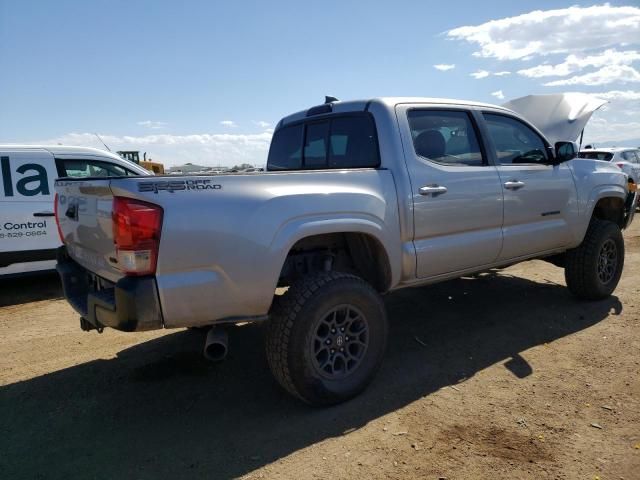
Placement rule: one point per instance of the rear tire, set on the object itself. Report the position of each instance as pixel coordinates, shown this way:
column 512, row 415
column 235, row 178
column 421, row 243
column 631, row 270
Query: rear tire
column 593, row 269
column 326, row 337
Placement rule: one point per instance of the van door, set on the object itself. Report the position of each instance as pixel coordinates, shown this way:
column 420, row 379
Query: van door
column 28, row 233
column 457, row 196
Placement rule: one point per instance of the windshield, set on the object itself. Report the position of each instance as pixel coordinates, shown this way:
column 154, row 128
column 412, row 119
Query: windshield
column 606, row 156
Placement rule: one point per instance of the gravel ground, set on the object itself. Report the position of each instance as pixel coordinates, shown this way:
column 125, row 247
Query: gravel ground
column 501, row 376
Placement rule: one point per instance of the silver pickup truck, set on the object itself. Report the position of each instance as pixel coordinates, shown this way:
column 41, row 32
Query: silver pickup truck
column 359, row 198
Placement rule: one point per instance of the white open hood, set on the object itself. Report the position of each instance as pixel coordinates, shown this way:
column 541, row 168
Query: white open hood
column 560, row 116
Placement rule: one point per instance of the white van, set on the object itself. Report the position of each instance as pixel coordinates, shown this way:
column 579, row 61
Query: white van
column 28, row 232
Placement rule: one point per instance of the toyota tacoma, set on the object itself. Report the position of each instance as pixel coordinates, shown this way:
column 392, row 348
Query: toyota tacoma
column 359, row 198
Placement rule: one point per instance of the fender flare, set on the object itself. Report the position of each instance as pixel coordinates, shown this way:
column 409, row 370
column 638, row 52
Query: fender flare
column 297, row 229
column 604, row 191
column 595, row 195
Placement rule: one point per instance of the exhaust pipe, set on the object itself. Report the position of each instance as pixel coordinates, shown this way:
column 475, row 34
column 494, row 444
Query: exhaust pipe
column 216, row 344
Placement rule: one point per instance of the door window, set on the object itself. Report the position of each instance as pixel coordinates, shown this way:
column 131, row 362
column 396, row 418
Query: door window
column 515, row 142
column 446, row 137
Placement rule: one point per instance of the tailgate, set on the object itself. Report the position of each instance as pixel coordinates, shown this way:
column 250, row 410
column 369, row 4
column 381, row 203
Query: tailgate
column 84, row 209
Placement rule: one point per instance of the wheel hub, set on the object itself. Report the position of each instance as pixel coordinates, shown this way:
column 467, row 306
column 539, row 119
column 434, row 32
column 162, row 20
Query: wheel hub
column 607, row 261
column 340, row 341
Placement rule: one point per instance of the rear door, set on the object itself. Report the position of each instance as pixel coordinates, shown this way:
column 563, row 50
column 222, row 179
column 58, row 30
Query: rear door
column 539, row 199
column 456, row 192
column 28, row 234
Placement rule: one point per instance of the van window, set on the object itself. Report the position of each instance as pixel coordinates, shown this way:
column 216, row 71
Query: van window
column 93, row 168
column 340, row 142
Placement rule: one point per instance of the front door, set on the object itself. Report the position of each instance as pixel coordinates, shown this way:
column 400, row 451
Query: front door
column 456, row 194
column 539, row 199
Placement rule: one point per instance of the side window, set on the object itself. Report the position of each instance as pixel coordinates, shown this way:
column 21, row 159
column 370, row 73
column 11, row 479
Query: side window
column 630, row 156
column 285, row 152
column 446, row 137
column 91, row 168
column 515, row 142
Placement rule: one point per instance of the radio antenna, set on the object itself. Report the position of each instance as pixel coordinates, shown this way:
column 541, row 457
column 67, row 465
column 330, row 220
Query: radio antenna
column 105, row 145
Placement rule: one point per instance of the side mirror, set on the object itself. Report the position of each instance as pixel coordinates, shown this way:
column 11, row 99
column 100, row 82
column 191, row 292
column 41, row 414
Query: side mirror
column 565, row 151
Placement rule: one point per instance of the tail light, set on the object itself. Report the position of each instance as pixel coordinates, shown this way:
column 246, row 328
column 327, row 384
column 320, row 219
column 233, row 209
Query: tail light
column 55, row 212
column 136, row 234
column 620, row 165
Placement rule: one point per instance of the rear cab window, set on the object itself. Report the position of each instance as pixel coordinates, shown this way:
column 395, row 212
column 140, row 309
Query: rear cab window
column 336, row 142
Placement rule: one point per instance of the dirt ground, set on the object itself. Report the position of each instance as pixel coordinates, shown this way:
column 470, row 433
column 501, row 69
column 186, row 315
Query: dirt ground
column 502, row 376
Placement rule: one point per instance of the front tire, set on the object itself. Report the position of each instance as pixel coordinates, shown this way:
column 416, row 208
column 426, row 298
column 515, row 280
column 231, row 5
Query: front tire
column 593, row 269
column 326, row 337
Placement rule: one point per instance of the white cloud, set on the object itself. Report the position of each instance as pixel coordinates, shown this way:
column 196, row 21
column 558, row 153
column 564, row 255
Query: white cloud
column 618, row 95
column 502, row 74
column 228, row 123
column 443, row 67
column 203, row 149
column 574, row 63
column 604, row 76
column 498, row 94
column 604, row 130
column 262, row 123
column 480, row 74
column 152, row 124
column 565, row 30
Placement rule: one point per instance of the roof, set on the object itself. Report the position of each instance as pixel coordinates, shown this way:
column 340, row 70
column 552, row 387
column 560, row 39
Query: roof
column 389, row 102
column 63, row 149
column 57, row 150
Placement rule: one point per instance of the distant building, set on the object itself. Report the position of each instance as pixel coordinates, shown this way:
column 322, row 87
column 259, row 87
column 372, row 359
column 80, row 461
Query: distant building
column 188, row 168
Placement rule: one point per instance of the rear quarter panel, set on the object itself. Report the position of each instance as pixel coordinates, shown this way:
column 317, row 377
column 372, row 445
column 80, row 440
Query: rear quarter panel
column 222, row 248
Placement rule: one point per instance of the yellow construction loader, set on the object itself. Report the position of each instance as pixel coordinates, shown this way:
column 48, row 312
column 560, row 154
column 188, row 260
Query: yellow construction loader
column 134, row 156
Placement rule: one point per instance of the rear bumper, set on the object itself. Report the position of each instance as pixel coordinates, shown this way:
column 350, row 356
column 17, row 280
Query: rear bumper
column 131, row 304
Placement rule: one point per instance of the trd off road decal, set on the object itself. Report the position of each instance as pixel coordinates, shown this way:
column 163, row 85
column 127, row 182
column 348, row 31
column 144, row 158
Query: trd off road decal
column 32, row 180
column 178, row 185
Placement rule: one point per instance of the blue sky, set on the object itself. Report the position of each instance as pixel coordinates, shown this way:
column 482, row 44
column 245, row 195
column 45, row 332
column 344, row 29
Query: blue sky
column 206, row 81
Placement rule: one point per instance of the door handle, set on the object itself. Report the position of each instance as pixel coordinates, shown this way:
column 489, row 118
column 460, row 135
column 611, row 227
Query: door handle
column 513, row 184
column 44, row 214
column 433, row 190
